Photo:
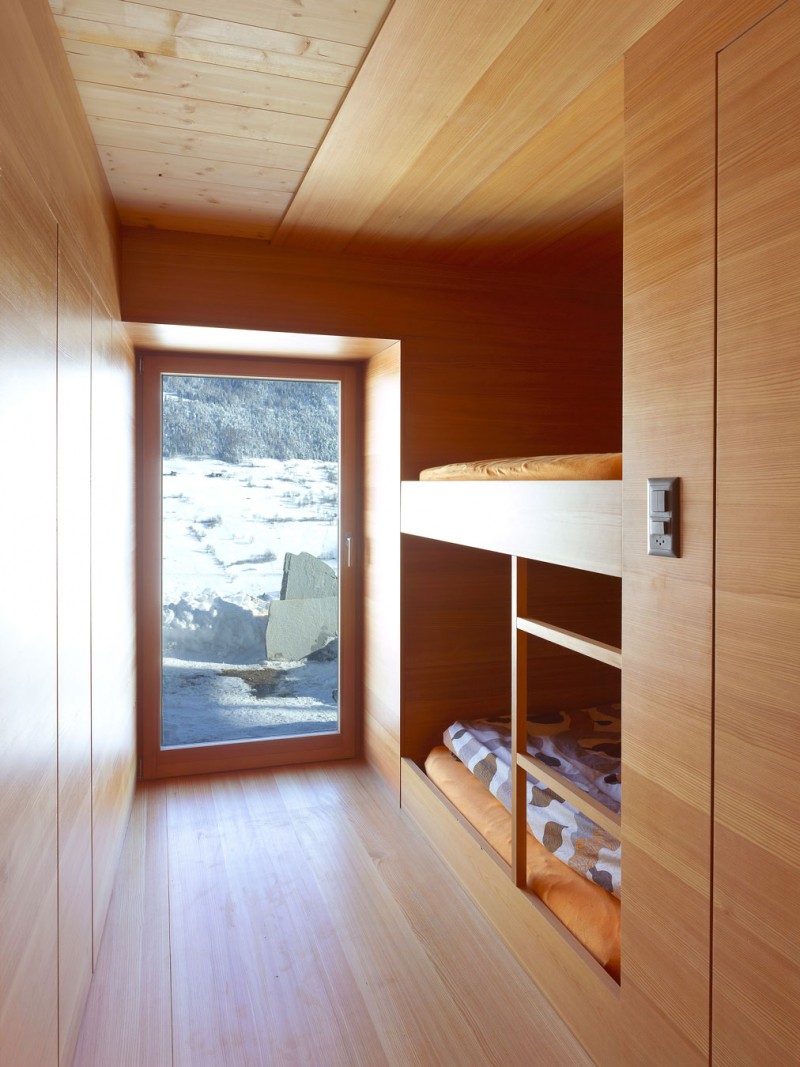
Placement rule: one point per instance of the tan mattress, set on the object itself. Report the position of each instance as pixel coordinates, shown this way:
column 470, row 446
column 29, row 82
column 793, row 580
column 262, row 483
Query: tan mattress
column 589, row 912
column 595, row 466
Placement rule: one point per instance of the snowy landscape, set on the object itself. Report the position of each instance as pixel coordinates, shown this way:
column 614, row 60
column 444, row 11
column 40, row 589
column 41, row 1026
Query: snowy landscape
column 227, row 527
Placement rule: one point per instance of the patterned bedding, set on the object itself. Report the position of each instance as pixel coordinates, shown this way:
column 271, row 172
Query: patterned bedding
column 583, row 746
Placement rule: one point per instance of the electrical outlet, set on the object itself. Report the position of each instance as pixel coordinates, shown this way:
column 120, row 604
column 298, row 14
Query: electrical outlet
column 663, row 514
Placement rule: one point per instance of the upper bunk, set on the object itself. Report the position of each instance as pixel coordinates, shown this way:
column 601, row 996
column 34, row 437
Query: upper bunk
column 565, row 510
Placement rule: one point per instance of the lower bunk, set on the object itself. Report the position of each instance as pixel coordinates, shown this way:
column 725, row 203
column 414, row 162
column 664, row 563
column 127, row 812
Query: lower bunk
column 572, row 865
column 582, row 991
column 587, row 911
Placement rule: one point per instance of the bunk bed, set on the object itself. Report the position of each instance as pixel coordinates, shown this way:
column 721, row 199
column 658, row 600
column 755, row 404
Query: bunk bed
column 545, row 508
column 539, row 791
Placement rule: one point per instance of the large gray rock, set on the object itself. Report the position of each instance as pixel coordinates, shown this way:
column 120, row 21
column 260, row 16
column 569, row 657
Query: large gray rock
column 306, row 618
column 299, row 627
column 306, row 577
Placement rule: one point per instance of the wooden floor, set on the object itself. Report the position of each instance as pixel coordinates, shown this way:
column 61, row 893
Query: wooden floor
column 296, row 916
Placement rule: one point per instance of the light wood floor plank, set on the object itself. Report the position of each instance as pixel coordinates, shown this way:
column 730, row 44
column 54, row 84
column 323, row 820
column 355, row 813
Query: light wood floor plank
column 444, row 957
column 259, row 976
column 309, row 923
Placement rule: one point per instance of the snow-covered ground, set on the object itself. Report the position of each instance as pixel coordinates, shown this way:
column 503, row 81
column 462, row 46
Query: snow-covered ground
column 226, row 529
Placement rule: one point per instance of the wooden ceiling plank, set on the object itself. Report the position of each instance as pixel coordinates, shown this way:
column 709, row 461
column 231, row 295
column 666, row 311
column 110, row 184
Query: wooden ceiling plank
column 186, row 222
column 332, row 20
column 289, row 44
column 109, row 101
column 137, row 164
column 123, row 133
column 461, row 139
column 137, row 69
column 571, row 165
column 168, row 204
column 426, row 56
column 571, row 228
column 560, row 53
column 556, row 54
column 220, row 43
column 173, row 193
column 167, row 21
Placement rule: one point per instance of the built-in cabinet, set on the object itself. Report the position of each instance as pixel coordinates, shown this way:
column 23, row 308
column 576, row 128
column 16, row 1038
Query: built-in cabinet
column 67, row 708
column 756, row 946
column 711, row 667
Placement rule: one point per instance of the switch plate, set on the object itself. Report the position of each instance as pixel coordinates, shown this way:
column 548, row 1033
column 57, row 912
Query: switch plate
column 663, row 517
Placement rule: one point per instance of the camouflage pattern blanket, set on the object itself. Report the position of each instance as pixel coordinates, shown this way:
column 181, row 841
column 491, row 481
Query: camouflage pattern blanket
column 583, row 746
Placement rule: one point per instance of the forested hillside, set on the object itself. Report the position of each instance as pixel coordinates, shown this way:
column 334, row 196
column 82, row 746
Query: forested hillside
column 235, row 418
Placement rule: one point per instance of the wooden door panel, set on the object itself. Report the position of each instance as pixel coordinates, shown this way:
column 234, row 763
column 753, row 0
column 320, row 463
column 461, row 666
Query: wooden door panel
column 74, row 644
column 756, row 975
column 113, row 600
column 28, row 720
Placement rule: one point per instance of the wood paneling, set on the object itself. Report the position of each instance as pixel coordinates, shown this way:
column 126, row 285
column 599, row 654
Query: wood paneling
column 175, row 79
column 178, row 146
column 463, row 133
column 74, row 644
column 455, row 644
column 463, row 178
column 113, row 602
column 202, row 116
column 537, row 372
column 328, row 20
column 59, row 235
column 43, row 116
column 669, row 364
column 179, row 203
column 128, row 1017
column 381, row 551
column 159, row 31
column 135, row 164
column 515, row 339
column 28, row 657
column 756, row 978
column 125, row 68
column 668, row 428
column 558, row 187
column 509, row 339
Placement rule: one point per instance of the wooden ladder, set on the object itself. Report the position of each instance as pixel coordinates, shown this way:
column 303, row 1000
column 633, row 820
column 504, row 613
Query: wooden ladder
column 523, row 628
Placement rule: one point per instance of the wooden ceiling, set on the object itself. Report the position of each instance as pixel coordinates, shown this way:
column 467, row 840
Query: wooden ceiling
column 463, row 131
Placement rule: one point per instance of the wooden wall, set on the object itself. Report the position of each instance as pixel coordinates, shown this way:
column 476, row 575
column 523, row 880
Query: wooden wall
column 67, row 723
column 669, row 417
column 381, row 557
column 756, row 956
column 493, row 364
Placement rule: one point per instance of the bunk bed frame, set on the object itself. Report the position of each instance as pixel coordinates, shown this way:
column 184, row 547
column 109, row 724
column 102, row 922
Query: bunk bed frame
column 577, row 525
column 570, row 523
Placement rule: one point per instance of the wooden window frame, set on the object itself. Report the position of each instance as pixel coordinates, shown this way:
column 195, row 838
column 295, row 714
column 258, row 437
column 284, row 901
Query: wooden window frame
column 159, row 762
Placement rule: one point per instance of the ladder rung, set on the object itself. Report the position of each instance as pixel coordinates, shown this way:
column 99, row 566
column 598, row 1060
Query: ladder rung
column 587, row 646
column 586, row 804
